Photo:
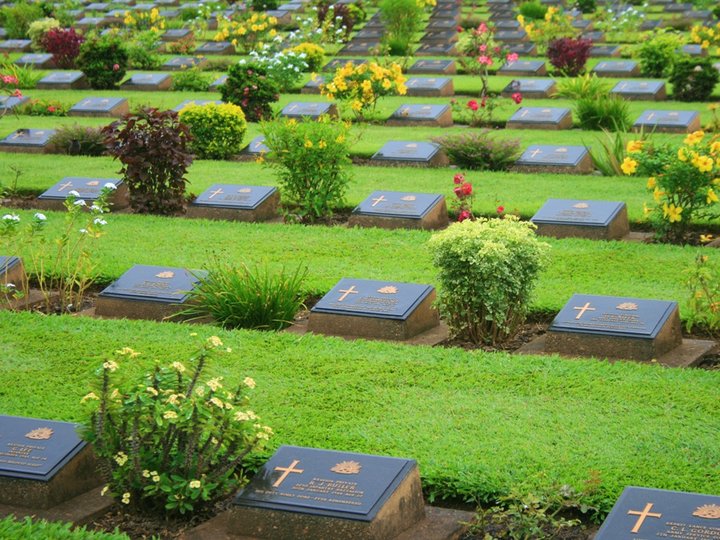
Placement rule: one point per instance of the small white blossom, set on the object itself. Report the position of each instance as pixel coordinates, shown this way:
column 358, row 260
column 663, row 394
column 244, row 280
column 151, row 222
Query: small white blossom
column 96, row 208
column 39, row 216
column 83, row 231
column 98, row 221
column 110, row 365
column 73, row 193
column 11, row 217
column 110, row 185
column 80, row 202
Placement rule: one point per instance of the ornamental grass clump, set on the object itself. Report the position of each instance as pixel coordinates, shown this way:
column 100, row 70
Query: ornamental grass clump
column 488, row 269
column 684, row 182
column 174, row 441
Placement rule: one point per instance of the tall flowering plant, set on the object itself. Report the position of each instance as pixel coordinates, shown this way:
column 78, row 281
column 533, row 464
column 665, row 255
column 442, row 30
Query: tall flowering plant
column 248, row 31
column 685, row 183
column 481, row 54
column 463, row 202
column 173, row 442
column 9, row 86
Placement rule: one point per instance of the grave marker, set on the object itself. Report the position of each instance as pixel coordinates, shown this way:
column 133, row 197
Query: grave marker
column 640, row 90
column 147, row 292
column 179, row 63
column 615, row 327
column 668, row 121
column 617, row 68
column 422, row 115
column 216, row 47
column 15, row 45
column 103, row 107
column 12, row 272
column 440, row 36
column 30, row 141
column 176, row 34
column 612, row 51
column 531, row 88
column 436, row 49
column 401, row 210
column 63, row 80
column 36, row 60
column 236, row 203
column 148, row 82
column 561, row 159
column 511, row 36
column 337, row 63
column 359, row 47
column 8, row 103
column 375, row 310
column 430, row 87
column 523, row 49
column 87, row 188
column 312, row 110
column 217, row 83
column 440, row 67
column 313, row 85
column 524, row 68
column 570, row 218
column 418, row 154
column 256, row 148
column 654, row 514
column 551, row 118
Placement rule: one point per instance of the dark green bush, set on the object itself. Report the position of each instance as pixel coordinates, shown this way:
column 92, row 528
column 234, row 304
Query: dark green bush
column 693, row 79
column 605, row 112
column 249, row 86
column 77, row 140
column 104, row 61
column 533, row 10
column 480, row 150
column 586, row 6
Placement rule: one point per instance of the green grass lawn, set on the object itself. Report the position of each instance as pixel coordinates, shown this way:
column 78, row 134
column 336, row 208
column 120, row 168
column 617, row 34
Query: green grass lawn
column 478, row 423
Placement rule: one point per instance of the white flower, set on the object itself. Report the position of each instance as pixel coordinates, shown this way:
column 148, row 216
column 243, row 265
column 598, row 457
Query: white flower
column 98, row 221
column 10, row 286
column 250, row 383
column 217, row 402
column 11, row 217
column 96, row 208
column 110, row 185
column 126, row 498
column 214, row 383
column 168, row 415
column 178, row 366
column 214, row 341
column 83, row 231
column 194, row 484
column 80, row 202
column 104, row 491
column 73, row 193
column 151, row 390
column 110, row 366
column 39, row 216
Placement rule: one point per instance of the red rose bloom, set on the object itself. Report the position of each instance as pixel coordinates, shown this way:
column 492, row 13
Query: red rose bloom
column 500, row 209
column 466, row 189
column 517, row 97
column 464, row 215
column 459, row 178
column 472, row 105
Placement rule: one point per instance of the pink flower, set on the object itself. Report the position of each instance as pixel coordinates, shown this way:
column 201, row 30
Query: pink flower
column 485, row 60
column 466, row 189
column 497, row 49
column 512, row 57
column 116, row 67
column 464, row 215
column 517, row 97
column 483, row 47
column 51, row 109
column 459, row 29
column 459, row 178
column 9, row 79
column 500, row 209
column 472, row 105
column 17, row 93
column 482, row 28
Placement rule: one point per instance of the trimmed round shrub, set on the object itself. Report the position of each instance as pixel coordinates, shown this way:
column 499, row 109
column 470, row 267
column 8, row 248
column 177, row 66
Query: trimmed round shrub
column 104, row 61
column 533, row 10
column 488, row 269
column 693, row 79
column 217, row 130
column 314, row 55
column 249, row 87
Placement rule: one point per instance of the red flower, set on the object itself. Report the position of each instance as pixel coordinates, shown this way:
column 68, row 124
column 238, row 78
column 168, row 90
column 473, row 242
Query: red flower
column 472, row 105
column 459, row 178
column 116, row 67
column 517, row 97
column 51, row 109
column 500, row 209
column 459, row 28
column 465, row 214
column 17, row 93
column 466, row 189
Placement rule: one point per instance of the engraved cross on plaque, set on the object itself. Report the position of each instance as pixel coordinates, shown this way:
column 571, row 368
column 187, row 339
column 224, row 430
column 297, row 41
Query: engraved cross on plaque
column 535, row 152
column 351, row 290
column 218, row 191
column 642, row 515
column 377, row 200
column 286, row 471
column 583, row 309
column 65, row 186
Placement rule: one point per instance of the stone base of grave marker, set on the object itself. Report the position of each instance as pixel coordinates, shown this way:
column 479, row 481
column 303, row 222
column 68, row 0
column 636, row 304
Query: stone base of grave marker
column 265, row 211
column 439, row 159
column 444, row 119
column 80, row 83
column 436, row 218
column 423, row 318
column 118, row 200
column 616, row 228
column 135, row 84
column 127, row 308
column 584, row 166
column 78, row 476
column 564, row 123
column 80, row 510
column 122, row 107
column 433, row 67
column 530, row 89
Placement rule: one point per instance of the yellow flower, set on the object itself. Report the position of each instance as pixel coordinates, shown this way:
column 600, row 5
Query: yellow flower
column 151, row 390
column 341, row 139
column 694, row 137
column 715, row 147
column 214, row 383
column 629, row 165
column 356, row 105
column 672, row 213
column 170, row 415
column 634, row 146
column 702, row 163
column 194, row 484
column 322, row 144
column 179, row 367
column 126, row 498
column 651, row 183
column 91, row 395
column 121, row 458
column 250, row 383
column 308, row 143
column 104, row 490
column 705, row 238
column 127, row 351
column 260, row 159
column 217, row 402
column 682, row 154
column 657, row 195
column 214, row 341
column 711, row 196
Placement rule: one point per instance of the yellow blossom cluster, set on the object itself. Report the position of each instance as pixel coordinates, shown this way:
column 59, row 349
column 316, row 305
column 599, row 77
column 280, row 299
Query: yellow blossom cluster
column 555, row 24
column 705, row 35
column 145, row 20
column 422, row 4
column 249, row 32
column 364, row 84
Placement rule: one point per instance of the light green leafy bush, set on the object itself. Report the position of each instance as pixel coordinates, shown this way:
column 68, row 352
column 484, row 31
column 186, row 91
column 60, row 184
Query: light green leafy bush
column 217, row 130
column 488, row 269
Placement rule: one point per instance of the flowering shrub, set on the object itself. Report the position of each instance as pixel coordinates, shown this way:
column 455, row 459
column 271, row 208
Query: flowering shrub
column 9, row 85
column 144, row 20
column 569, row 55
column 703, row 283
column 620, row 22
column 554, row 25
column 152, row 146
column 685, row 184
column 184, row 46
column 64, row 45
column 247, row 32
column 312, row 164
column 217, row 130
column 693, row 79
column 249, row 86
column 463, row 202
column 657, row 53
column 480, row 51
column 62, row 266
column 314, row 55
column 43, row 107
column 488, row 268
column 17, row 77
column 285, row 68
column 173, row 442
column 103, row 60
column 480, row 150
column 361, row 86
column 38, row 29
column 706, row 36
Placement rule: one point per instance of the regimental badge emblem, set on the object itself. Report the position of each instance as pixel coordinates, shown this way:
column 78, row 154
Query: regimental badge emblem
column 627, row 306
column 93, row 183
column 347, row 467
column 166, row 275
column 411, row 145
column 408, row 198
column 40, row 434
column 708, row 511
column 389, row 289
column 244, row 190
column 561, row 150
column 581, row 205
